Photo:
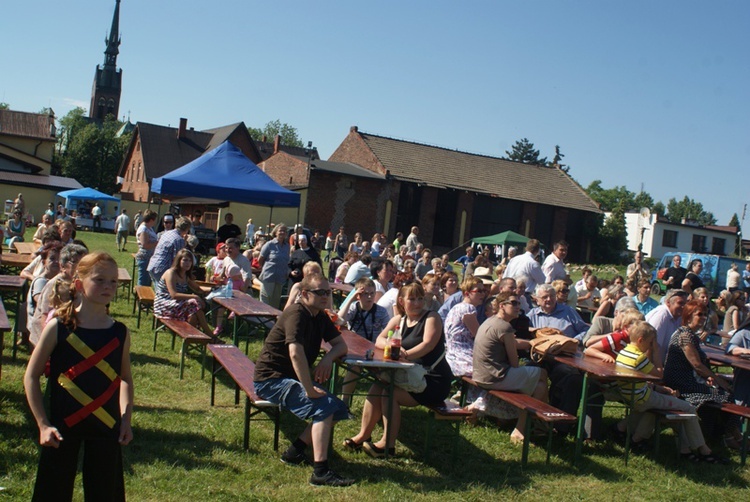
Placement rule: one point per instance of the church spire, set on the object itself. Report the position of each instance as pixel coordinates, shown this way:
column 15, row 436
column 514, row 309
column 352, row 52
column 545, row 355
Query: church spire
column 113, row 41
column 105, row 95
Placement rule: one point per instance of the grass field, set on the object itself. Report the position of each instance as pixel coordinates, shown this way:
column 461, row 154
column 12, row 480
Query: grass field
column 186, row 450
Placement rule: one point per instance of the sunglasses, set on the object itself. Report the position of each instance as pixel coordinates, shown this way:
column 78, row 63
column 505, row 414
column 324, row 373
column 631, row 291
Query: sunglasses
column 512, row 303
column 566, row 290
column 320, row 292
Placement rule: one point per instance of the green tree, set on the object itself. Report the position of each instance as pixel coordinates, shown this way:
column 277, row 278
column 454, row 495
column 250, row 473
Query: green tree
column 557, row 161
column 611, row 198
column 614, row 237
column 94, row 154
column 523, row 151
column 659, row 208
column 643, row 199
column 689, row 209
column 4, row 105
column 735, row 222
column 288, row 133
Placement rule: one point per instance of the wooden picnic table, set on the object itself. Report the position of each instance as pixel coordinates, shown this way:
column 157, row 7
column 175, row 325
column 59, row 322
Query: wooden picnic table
column 16, row 260
column 604, row 372
column 14, row 285
column 718, row 357
column 341, row 291
column 245, row 306
column 26, row 247
column 358, row 350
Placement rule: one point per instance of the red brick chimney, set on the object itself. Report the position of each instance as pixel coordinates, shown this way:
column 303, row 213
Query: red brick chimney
column 276, row 144
column 354, row 129
column 183, row 128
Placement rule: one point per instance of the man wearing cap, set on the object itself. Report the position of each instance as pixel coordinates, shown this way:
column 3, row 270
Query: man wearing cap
column 666, row 318
column 527, row 265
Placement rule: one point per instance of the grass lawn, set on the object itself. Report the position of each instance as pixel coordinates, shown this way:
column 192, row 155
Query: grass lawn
column 184, row 449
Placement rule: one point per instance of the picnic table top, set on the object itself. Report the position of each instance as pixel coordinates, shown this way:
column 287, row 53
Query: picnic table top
column 123, row 275
column 357, row 348
column 4, row 322
column 26, row 247
column 12, row 282
column 243, row 305
column 16, row 259
column 717, row 356
column 604, row 371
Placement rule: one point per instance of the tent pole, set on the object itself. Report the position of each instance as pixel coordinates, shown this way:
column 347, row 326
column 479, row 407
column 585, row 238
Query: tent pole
column 270, row 217
column 298, row 222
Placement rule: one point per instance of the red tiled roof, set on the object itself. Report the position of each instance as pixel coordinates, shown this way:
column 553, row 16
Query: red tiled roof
column 30, row 125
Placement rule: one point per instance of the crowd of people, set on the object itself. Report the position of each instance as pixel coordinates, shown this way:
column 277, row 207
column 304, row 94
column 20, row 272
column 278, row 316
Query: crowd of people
column 475, row 322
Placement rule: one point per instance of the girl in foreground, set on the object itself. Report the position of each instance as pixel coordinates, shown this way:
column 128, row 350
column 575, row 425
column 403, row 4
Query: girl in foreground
column 91, row 399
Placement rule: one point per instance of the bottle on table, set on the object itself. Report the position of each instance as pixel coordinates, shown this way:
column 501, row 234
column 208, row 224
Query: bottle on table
column 396, row 345
column 387, row 348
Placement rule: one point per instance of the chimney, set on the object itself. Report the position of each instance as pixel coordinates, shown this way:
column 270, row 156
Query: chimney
column 276, row 144
column 264, row 139
column 183, row 129
column 354, row 129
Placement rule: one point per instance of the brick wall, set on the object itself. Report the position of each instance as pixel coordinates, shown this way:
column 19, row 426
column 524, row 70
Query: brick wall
column 353, row 149
column 285, row 169
column 356, row 203
column 135, row 185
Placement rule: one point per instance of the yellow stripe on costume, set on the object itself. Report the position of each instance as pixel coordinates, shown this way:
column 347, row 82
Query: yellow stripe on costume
column 80, row 396
column 86, row 352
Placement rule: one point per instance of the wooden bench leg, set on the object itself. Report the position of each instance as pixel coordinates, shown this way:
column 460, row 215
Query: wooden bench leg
column 743, row 450
column 526, row 439
column 182, row 355
column 214, row 370
column 246, row 438
column 203, row 360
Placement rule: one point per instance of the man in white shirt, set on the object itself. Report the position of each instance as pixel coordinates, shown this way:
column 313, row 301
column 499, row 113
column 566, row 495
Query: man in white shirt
column 122, row 229
column 96, row 212
column 412, row 240
column 527, row 265
column 666, row 318
column 554, row 267
column 234, row 256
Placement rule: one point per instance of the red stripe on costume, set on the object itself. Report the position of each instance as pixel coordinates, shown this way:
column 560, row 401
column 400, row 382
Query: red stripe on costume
column 94, row 405
column 93, row 360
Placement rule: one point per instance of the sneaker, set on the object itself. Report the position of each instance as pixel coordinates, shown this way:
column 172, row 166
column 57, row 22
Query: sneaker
column 330, row 478
column 295, row 459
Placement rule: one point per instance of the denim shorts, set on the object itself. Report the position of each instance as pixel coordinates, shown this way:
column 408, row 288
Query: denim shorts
column 290, row 395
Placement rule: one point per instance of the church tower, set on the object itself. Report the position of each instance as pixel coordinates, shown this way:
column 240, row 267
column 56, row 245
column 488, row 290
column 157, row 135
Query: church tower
column 105, row 95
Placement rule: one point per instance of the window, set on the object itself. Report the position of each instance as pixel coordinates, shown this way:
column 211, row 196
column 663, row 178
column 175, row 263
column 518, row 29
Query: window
column 669, row 239
column 699, row 243
column 718, row 246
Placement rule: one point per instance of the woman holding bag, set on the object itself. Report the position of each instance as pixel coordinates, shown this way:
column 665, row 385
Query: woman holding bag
column 422, row 342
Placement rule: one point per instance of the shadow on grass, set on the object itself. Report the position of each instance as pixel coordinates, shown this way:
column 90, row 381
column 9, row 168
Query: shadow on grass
column 143, row 359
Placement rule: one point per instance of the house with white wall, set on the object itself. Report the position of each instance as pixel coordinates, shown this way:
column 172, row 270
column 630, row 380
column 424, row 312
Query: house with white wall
column 660, row 236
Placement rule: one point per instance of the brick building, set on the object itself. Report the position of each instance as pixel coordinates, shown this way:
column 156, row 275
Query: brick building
column 156, row 150
column 377, row 184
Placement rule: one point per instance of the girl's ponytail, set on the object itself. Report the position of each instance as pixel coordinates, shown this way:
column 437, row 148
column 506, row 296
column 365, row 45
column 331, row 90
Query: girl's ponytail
column 66, row 312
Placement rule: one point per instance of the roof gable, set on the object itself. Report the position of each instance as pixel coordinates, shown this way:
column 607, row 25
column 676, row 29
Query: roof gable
column 441, row 167
column 266, row 149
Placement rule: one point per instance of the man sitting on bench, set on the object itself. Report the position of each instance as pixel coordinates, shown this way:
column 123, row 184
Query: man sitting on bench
column 283, row 375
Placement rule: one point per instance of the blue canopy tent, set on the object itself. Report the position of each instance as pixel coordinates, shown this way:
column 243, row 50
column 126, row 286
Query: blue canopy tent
column 86, row 194
column 225, row 173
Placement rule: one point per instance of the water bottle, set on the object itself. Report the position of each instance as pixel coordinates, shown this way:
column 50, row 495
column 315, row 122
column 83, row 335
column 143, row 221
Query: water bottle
column 230, row 284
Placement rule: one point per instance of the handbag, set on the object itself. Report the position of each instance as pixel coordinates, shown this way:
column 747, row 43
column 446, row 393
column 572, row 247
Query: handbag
column 552, row 344
column 411, row 379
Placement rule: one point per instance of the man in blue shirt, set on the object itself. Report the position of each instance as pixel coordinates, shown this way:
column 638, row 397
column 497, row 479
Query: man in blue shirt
column 166, row 249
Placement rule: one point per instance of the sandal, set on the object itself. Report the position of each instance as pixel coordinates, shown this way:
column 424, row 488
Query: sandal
column 712, row 458
column 691, row 457
column 354, row 446
column 375, row 451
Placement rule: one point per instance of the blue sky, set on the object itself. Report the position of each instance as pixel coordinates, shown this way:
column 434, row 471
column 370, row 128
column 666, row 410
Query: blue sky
column 635, row 92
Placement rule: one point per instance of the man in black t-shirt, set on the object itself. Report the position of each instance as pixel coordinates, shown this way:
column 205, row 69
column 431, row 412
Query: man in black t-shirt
column 283, row 375
column 675, row 274
column 228, row 229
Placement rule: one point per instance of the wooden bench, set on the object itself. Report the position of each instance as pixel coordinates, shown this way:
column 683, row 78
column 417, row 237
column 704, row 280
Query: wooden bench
column 144, row 302
column 191, row 336
column 444, row 413
column 241, row 369
column 534, row 408
column 744, row 413
column 668, row 417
